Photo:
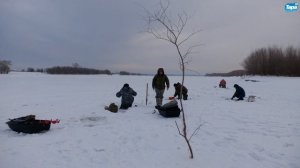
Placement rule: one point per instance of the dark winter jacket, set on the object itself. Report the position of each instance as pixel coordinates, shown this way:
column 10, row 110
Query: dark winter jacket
column 160, row 80
column 239, row 92
column 127, row 94
column 177, row 89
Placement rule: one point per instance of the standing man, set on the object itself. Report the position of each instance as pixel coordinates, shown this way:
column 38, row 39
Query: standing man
column 159, row 83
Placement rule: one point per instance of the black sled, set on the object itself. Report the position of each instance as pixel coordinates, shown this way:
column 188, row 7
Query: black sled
column 28, row 124
column 170, row 109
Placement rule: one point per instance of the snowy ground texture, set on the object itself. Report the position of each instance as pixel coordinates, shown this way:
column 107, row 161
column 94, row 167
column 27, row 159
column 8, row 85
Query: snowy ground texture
column 260, row 134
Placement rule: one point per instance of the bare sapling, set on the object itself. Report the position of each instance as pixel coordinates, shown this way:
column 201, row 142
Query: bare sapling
column 164, row 27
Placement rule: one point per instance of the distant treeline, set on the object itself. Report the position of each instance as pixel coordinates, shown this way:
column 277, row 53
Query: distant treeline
column 128, row 73
column 232, row 73
column 75, row 70
column 4, row 66
column 273, row 61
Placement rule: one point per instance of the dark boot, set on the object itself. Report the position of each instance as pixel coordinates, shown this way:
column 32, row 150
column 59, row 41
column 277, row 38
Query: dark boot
column 241, row 98
column 185, row 97
column 124, row 106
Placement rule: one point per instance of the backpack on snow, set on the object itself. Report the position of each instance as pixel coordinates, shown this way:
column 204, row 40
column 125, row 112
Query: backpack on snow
column 112, row 108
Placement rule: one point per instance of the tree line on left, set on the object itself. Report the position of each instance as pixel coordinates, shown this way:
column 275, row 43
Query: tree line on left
column 4, row 66
column 74, row 69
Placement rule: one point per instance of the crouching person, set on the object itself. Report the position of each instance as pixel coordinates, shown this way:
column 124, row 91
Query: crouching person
column 127, row 94
column 239, row 92
column 177, row 91
column 222, row 84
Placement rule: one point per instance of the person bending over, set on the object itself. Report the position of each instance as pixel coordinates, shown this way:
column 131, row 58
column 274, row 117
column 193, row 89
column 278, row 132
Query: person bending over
column 239, row 92
column 177, row 91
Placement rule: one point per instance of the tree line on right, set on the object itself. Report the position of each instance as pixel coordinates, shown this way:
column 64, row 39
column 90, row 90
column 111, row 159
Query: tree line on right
column 273, row 61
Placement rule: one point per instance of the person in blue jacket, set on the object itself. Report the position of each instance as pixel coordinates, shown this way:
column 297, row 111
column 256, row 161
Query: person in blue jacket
column 239, row 92
column 127, row 94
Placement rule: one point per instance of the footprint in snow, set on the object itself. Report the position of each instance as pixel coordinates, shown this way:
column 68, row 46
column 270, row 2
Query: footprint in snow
column 256, row 157
column 93, row 121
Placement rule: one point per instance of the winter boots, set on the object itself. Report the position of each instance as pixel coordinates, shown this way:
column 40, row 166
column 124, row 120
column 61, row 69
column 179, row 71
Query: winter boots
column 159, row 101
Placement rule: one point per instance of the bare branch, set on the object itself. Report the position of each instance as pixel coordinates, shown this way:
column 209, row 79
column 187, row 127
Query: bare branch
column 188, row 37
column 181, row 23
column 172, row 38
column 172, row 33
column 178, row 129
column 195, row 131
column 189, row 51
column 157, row 35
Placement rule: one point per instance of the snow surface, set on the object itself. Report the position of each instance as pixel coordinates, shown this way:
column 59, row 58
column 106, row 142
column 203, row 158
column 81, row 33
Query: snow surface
column 260, row 134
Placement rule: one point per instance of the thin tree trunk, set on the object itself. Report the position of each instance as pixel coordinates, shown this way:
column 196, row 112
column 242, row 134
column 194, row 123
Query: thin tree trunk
column 173, row 34
column 181, row 104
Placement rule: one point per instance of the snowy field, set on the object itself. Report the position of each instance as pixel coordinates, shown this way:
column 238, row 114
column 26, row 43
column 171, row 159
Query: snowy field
column 260, row 134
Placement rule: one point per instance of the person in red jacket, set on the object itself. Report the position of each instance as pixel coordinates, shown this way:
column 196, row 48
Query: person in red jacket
column 222, row 84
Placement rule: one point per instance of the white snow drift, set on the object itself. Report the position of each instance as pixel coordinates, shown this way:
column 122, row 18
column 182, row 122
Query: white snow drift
column 260, row 134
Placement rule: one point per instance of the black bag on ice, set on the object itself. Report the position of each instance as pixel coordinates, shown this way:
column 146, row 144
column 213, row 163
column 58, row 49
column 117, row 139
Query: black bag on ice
column 28, row 124
column 169, row 109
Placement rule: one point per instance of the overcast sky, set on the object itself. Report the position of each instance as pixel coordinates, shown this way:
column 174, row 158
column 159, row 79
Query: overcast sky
column 110, row 34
